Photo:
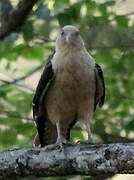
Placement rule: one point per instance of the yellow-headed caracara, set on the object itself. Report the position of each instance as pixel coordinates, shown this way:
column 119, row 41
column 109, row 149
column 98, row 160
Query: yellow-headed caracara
column 69, row 90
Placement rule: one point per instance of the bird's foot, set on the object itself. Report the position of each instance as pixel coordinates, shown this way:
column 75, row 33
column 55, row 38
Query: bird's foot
column 61, row 142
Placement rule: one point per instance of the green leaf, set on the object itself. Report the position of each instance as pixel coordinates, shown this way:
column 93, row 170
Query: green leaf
column 91, row 7
column 27, row 30
column 34, row 52
column 130, row 126
column 2, row 94
column 103, row 10
column 122, row 21
column 60, row 4
column 110, row 3
column 64, row 19
column 76, row 134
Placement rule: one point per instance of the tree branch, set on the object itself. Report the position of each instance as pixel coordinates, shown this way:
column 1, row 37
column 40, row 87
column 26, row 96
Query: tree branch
column 127, row 14
column 71, row 159
column 17, row 17
column 31, row 72
column 6, row 8
column 108, row 138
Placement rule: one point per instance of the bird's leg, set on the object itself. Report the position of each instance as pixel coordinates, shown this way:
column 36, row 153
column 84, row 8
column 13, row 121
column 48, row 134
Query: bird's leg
column 60, row 138
column 89, row 132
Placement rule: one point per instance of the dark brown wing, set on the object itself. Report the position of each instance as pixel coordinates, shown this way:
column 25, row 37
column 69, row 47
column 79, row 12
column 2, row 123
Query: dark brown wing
column 42, row 86
column 100, row 87
column 44, row 126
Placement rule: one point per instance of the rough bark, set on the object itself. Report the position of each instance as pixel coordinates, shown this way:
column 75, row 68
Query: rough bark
column 70, row 159
column 17, row 17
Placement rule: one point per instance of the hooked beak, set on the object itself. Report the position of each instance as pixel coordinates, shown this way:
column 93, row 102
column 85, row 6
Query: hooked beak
column 68, row 38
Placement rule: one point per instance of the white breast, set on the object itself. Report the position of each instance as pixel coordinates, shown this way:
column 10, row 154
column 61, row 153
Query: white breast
column 77, row 58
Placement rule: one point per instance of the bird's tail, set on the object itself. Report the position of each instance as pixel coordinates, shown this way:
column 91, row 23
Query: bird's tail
column 47, row 133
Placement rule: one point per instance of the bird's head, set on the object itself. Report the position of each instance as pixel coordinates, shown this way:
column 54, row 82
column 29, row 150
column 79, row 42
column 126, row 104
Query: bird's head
column 69, row 38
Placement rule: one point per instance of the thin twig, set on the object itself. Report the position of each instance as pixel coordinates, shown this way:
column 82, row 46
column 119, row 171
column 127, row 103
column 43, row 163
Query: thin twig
column 23, row 87
column 29, row 73
column 33, row 70
column 11, row 115
column 128, row 14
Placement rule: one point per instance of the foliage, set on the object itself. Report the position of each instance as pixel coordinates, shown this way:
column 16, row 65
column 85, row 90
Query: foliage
column 108, row 38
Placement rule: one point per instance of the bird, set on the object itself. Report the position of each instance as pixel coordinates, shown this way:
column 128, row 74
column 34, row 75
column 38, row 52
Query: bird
column 69, row 90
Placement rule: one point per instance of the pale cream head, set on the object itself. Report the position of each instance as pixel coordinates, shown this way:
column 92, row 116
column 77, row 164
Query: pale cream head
column 69, row 38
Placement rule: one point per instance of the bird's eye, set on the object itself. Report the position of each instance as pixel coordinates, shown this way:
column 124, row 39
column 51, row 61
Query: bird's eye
column 77, row 33
column 62, row 32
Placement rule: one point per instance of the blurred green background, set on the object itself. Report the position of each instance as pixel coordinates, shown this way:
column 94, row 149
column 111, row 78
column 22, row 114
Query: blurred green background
column 107, row 28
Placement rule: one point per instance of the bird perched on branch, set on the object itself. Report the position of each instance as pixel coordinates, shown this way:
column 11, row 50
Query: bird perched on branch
column 69, row 90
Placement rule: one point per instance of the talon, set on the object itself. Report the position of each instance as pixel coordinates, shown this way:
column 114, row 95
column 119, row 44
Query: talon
column 59, row 146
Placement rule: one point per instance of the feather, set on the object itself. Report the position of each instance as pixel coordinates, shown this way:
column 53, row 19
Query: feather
column 44, row 82
column 39, row 113
column 100, row 87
